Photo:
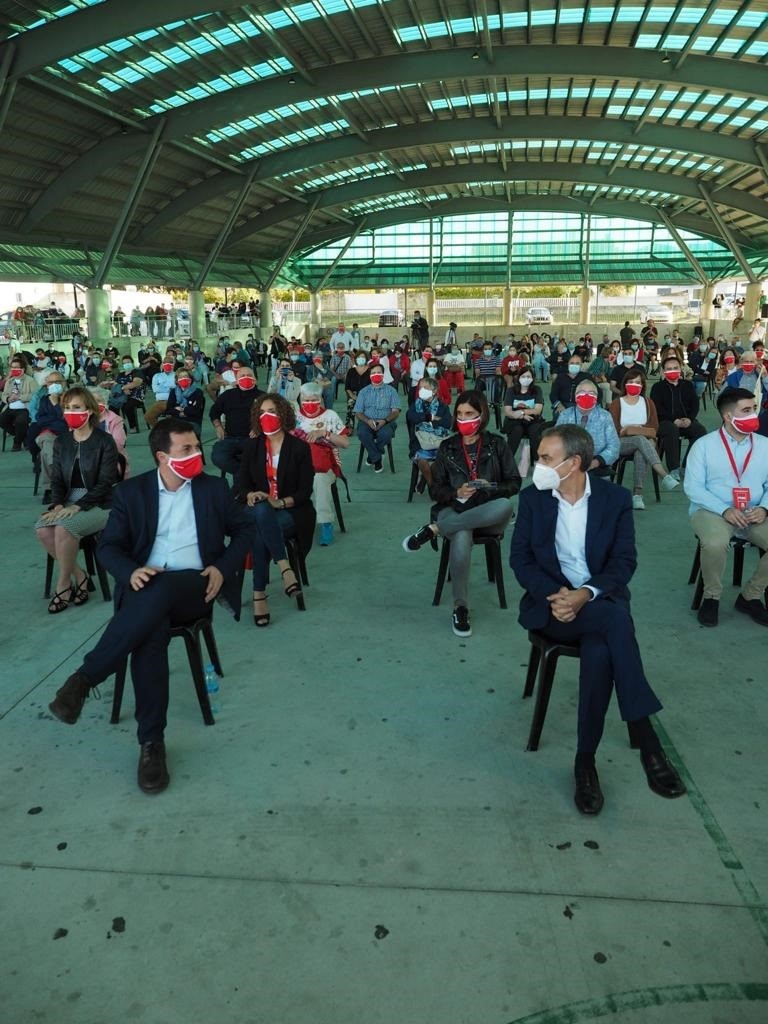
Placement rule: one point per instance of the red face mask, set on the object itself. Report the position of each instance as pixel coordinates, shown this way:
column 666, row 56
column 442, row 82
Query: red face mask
column 634, row 387
column 377, row 378
column 246, row 383
column 468, row 427
column 187, row 468
column 729, row 360
column 184, row 382
column 746, row 424
column 586, row 401
column 75, row 419
column 748, row 367
column 311, row 409
column 106, row 366
column 167, row 367
column 62, row 360
column 270, row 423
column 102, row 408
column 16, row 371
column 672, row 375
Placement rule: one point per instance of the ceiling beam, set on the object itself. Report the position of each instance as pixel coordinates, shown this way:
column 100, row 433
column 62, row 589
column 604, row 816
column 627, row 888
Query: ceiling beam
column 684, row 247
column 369, row 188
column 448, row 132
column 95, row 26
column 512, row 62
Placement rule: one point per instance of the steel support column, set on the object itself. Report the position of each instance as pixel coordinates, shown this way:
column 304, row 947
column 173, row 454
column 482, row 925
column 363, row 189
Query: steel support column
column 129, row 207
column 345, row 248
column 728, row 238
column 293, row 243
column 226, row 227
column 698, row 269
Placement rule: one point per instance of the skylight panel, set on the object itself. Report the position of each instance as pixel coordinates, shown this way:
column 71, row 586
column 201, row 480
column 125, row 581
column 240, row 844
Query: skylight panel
column 571, row 16
column 647, row 41
column 543, row 17
column 600, row 14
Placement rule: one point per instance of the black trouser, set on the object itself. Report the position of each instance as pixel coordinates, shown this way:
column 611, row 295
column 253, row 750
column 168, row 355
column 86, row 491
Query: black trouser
column 516, row 430
column 141, row 628
column 17, row 422
column 669, row 436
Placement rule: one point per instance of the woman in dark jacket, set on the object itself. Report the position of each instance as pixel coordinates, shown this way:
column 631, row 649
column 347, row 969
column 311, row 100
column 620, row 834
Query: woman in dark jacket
column 275, row 481
column 186, row 401
column 84, row 473
column 473, row 478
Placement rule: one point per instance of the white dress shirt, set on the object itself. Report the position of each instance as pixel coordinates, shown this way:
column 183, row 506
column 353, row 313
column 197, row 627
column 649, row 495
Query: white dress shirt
column 175, row 544
column 571, row 538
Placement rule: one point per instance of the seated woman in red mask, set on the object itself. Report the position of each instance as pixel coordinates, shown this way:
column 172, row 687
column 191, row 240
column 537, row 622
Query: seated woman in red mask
column 84, row 473
column 473, row 478
column 637, row 425
column 186, row 400
column 275, row 482
column 325, row 433
column 598, row 423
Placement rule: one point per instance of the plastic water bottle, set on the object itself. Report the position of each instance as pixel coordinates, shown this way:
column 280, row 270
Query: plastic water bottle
column 213, row 687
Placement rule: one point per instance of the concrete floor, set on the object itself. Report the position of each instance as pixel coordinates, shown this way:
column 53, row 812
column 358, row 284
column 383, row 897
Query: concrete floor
column 362, row 836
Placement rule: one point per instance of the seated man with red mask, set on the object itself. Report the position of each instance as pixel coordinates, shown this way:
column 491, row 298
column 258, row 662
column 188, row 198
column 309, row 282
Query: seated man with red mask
column 376, row 408
column 752, row 375
column 231, row 418
column 597, row 422
column 164, row 543
column 727, row 481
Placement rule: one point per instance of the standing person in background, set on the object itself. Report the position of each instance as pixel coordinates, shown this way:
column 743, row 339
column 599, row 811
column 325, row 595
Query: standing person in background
column 342, row 340
column 419, row 331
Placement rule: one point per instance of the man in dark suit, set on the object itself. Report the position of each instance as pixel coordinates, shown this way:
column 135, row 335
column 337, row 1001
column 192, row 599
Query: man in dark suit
column 164, row 545
column 573, row 552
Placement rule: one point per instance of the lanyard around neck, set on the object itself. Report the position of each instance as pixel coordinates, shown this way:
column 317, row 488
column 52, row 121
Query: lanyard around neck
column 731, row 458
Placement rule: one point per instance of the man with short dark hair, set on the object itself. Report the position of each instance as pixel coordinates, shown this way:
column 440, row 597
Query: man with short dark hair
column 677, row 406
column 573, row 552
column 727, row 482
column 164, row 545
column 626, row 334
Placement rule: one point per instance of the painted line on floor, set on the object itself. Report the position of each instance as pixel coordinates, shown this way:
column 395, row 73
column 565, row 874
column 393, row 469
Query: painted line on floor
column 647, row 998
column 725, row 851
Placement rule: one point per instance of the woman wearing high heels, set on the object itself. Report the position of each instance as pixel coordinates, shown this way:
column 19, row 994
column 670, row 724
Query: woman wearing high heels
column 275, row 482
column 83, row 475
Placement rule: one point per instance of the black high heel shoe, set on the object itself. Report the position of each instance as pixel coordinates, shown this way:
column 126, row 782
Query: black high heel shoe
column 293, row 589
column 260, row 620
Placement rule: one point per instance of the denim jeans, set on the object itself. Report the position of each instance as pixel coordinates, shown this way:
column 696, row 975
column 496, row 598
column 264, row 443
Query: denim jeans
column 375, row 442
column 226, row 454
column 268, row 539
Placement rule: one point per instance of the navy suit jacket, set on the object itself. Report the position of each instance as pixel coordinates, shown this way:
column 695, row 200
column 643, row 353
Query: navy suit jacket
column 129, row 536
column 610, row 548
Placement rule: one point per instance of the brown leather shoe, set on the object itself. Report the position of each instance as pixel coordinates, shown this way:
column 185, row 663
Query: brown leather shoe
column 153, row 774
column 69, row 700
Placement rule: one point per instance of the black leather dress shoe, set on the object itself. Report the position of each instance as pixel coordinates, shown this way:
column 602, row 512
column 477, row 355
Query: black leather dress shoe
column 69, row 699
column 755, row 609
column 662, row 776
column 588, row 796
column 708, row 609
column 152, row 773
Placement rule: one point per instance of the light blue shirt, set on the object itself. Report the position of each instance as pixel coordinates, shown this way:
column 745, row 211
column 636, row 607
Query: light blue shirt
column 377, row 403
column 709, row 478
column 175, row 544
column 599, row 426
column 162, row 385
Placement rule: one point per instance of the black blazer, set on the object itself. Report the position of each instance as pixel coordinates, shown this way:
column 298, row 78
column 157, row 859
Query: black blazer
column 129, row 535
column 610, row 548
column 295, row 479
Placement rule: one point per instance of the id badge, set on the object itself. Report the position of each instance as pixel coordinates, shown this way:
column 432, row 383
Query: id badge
column 741, row 496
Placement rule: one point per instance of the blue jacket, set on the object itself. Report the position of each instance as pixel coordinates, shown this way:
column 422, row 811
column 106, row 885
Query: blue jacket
column 129, row 535
column 610, row 548
column 600, row 427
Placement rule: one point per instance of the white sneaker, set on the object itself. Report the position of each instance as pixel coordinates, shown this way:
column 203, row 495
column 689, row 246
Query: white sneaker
column 675, row 474
column 669, row 483
column 637, row 503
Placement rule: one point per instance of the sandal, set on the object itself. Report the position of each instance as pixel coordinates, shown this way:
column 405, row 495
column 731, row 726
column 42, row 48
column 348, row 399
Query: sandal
column 261, row 620
column 293, row 589
column 58, row 604
column 80, row 593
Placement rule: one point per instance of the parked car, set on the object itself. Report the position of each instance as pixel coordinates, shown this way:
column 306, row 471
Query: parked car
column 539, row 315
column 660, row 314
column 391, row 318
